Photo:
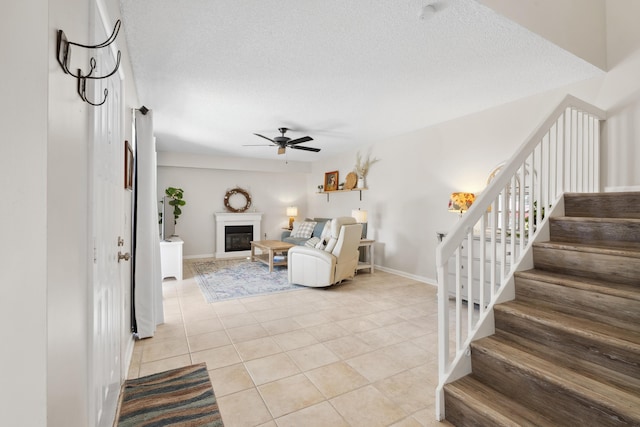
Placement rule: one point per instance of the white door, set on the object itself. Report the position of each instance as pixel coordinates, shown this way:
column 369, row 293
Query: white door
column 107, row 216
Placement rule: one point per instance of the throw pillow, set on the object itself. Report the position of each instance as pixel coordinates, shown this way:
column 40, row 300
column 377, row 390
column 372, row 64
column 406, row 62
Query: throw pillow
column 304, row 230
column 294, row 228
column 324, row 237
column 312, row 242
column 320, row 222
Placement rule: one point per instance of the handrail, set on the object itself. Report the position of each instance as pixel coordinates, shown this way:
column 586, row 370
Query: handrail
column 561, row 154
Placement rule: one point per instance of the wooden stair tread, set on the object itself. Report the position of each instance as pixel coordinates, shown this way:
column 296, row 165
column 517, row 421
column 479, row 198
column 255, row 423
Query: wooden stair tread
column 583, row 219
column 585, row 328
column 491, row 404
column 621, row 290
column 577, row 364
column 590, row 248
column 572, row 383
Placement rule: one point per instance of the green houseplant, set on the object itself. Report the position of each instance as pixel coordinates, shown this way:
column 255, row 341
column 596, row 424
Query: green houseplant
column 175, row 195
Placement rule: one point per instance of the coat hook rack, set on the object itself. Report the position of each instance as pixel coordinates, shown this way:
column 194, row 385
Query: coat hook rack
column 64, row 58
column 82, row 86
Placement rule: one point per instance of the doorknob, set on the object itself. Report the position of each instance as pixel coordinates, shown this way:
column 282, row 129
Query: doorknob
column 124, row 256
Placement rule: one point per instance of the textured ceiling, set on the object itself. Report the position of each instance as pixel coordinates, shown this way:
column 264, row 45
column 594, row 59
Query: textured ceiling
column 347, row 73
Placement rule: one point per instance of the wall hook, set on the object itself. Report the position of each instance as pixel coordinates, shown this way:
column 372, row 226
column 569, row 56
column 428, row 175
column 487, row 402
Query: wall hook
column 82, row 86
column 64, row 58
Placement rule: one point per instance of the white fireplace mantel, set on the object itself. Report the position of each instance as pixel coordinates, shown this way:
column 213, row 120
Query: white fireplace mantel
column 224, row 219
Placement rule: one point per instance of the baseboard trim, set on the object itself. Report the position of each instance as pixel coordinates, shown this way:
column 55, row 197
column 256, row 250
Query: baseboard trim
column 620, row 189
column 198, row 256
column 127, row 357
column 407, row 275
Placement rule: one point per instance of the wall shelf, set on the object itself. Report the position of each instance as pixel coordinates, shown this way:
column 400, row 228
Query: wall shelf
column 360, row 190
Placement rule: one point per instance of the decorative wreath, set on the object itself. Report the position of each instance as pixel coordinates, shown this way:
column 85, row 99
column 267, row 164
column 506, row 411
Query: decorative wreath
column 241, row 191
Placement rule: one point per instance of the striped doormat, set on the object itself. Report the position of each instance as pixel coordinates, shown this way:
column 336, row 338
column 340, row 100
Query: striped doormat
column 179, row 397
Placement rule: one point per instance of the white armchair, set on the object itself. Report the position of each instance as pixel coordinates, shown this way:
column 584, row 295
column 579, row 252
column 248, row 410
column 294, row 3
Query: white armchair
column 317, row 267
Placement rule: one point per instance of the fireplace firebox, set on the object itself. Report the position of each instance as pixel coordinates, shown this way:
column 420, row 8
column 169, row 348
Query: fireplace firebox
column 233, row 219
column 237, row 237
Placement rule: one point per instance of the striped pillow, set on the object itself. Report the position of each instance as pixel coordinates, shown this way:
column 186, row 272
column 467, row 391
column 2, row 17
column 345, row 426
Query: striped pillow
column 304, row 230
column 312, row 242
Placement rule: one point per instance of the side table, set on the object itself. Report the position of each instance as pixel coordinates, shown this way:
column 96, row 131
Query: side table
column 367, row 244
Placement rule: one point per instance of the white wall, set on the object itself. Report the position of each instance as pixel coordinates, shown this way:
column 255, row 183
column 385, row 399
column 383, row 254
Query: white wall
column 44, row 275
column 67, row 231
column 273, row 185
column 620, row 96
column 23, row 172
column 578, row 26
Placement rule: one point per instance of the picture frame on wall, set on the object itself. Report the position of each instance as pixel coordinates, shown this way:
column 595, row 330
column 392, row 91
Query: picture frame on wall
column 128, row 166
column 331, row 181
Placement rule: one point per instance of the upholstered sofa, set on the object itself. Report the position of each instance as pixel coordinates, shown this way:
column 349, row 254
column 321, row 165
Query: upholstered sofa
column 296, row 238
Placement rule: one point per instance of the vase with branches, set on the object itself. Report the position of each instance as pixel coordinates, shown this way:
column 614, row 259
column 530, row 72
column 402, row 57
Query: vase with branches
column 362, row 167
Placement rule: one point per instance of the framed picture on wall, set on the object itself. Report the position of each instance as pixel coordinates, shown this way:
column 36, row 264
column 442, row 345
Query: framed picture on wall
column 331, row 181
column 128, row 166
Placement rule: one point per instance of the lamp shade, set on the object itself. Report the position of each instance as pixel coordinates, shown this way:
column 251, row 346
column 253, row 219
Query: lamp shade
column 360, row 216
column 292, row 211
column 461, row 202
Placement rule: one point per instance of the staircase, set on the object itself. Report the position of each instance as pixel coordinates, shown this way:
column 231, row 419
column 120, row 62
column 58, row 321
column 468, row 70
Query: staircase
column 566, row 351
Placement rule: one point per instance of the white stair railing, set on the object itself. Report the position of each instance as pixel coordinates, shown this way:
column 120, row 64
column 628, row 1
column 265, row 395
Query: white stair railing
column 477, row 258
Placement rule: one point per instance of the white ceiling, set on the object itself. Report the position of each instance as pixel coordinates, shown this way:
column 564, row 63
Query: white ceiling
column 347, row 73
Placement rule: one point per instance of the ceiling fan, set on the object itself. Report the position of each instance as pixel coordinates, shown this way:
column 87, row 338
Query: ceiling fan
column 283, row 142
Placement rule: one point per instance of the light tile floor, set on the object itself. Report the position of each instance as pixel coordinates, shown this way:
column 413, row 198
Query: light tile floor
column 363, row 353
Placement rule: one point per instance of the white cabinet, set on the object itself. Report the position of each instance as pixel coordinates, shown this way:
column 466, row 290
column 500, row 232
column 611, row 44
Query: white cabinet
column 466, row 265
column 171, row 257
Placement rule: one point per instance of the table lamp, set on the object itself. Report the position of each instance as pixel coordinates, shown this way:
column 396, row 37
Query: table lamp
column 292, row 213
column 361, row 218
column 461, row 202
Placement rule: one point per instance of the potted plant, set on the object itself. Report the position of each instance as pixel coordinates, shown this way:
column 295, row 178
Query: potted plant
column 362, row 168
column 175, row 195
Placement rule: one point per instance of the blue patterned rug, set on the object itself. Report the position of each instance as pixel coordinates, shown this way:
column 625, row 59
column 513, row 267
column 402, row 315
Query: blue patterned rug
column 223, row 279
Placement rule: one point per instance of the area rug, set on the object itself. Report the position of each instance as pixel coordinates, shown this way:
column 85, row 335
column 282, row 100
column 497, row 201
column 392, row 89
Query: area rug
column 179, row 397
column 227, row 279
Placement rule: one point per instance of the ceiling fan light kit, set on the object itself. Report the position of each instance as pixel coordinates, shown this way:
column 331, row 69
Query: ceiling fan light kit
column 282, row 142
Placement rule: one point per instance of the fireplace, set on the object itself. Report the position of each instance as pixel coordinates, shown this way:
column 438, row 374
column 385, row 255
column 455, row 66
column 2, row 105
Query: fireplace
column 234, row 232
column 237, row 237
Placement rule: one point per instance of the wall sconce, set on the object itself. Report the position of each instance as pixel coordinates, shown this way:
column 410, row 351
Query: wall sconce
column 292, row 213
column 461, row 202
column 361, row 218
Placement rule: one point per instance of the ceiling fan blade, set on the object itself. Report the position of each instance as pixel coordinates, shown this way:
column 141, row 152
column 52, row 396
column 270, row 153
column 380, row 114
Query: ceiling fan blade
column 257, row 145
column 299, row 140
column 301, row 147
column 281, row 150
column 262, row 136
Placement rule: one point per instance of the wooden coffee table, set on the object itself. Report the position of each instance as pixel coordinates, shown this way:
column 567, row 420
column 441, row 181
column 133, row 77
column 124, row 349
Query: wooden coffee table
column 269, row 248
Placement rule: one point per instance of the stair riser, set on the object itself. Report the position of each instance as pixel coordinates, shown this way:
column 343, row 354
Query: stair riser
column 586, row 264
column 603, row 205
column 558, row 402
column 608, row 309
column 592, row 348
column 614, row 234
